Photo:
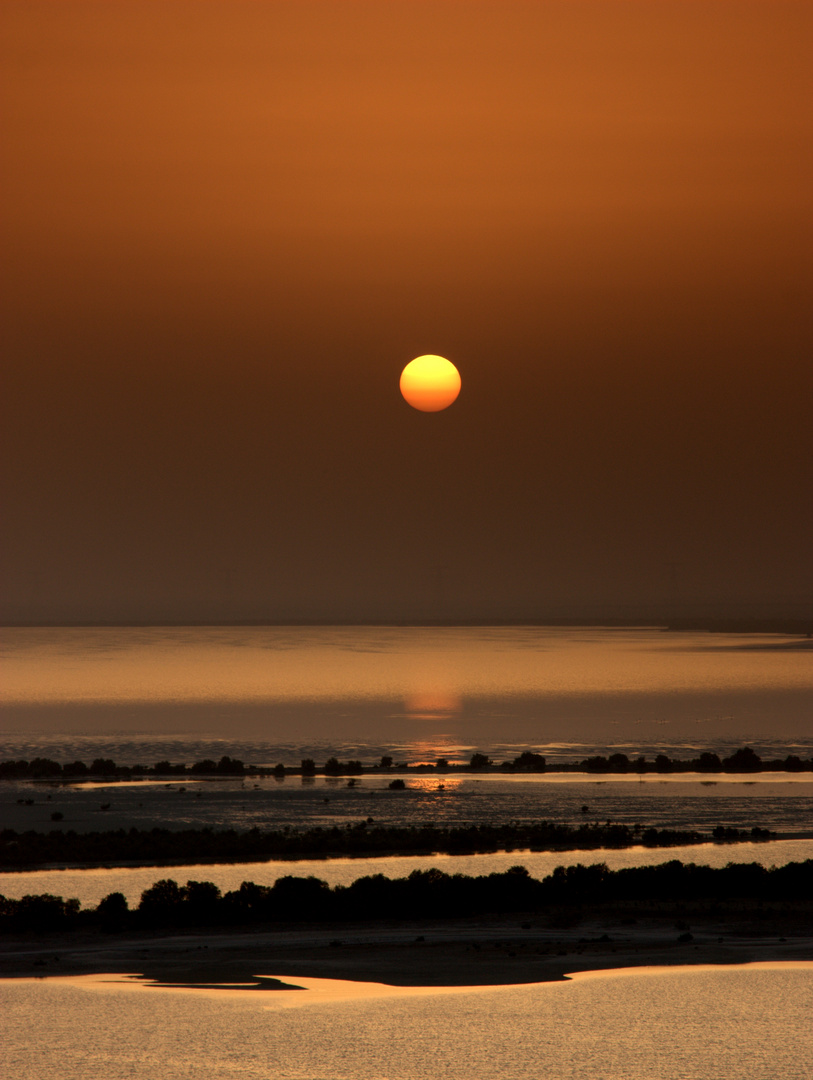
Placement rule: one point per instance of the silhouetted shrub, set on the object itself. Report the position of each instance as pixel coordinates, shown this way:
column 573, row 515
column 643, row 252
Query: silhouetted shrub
column 103, row 767
column 423, row 894
column 205, row 766
column 479, row 761
column 741, row 761
column 230, row 767
column 530, row 762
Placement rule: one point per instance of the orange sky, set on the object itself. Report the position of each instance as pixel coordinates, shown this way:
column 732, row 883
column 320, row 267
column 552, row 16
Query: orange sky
column 228, row 226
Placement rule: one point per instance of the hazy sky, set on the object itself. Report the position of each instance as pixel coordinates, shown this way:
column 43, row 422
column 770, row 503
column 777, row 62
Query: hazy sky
column 227, row 226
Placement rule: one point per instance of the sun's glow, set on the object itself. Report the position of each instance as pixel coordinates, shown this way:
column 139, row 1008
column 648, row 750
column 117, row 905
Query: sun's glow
column 430, row 383
column 432, row 704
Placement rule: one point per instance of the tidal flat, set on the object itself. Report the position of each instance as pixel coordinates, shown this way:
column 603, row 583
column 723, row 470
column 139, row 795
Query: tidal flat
column 501, row 692
column 462, row 952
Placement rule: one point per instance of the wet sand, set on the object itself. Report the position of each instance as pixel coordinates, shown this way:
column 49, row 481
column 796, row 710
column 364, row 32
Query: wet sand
column 482, row 952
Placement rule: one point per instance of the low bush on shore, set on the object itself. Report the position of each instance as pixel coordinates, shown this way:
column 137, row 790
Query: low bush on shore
column 424, row 894
column 744, row 760
column 23, row 850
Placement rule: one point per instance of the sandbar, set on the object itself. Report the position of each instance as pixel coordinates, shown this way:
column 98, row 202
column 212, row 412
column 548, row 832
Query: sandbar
column 471, row 952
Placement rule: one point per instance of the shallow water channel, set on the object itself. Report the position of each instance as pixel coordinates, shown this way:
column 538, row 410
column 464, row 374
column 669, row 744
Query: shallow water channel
column 89, row 886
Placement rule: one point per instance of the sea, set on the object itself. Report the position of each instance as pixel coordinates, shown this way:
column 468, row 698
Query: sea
column 749, row 1022
column 279, row 694
column 267, row 695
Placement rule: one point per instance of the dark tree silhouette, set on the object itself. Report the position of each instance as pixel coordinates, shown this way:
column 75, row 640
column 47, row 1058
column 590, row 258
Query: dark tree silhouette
column 530, row 762
column 744, row 760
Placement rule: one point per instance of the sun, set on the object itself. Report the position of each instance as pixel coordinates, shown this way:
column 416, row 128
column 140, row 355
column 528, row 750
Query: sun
column 430, row 383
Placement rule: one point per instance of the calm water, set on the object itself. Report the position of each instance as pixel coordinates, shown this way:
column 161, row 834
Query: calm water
column 90, row 886
column 783, row 804
column 705, row 1023
column 270, row 694
column 279, row 694
column 276, row 692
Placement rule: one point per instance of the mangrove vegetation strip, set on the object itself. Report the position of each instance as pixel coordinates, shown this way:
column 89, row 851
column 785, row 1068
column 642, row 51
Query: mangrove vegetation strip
column 425, row 894
column 744, row 760
column 148, row 847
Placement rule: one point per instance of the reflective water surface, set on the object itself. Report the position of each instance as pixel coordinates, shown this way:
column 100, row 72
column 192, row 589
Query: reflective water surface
column 749, row 1022
column 269, row 694
column 432, row 689
column 783, row 805
column 91, row 885
column 279, row 694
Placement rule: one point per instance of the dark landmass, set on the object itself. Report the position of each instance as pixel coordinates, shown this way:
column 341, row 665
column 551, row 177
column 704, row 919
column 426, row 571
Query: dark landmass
column 463, row 952
column 744, row 760
column 770, row 624
column 430, row 894
column 184, row 847
column 428, row 929
column 712, row 624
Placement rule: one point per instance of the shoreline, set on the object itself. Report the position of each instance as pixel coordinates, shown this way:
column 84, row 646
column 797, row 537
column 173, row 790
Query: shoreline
column 679, row 769
column 459, row 842
column 472, row 952
column 215, row 860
